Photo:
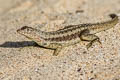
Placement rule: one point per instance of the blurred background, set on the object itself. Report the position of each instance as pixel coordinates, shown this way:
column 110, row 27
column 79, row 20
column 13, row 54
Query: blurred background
column 20, row 60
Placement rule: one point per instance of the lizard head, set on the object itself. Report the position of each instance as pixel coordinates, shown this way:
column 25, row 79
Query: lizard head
column 29, row 32
column 33, row 34
column 25, row 30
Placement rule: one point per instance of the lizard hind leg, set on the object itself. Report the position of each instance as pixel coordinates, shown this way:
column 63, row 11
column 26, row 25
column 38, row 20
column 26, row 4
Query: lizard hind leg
column 91, row 38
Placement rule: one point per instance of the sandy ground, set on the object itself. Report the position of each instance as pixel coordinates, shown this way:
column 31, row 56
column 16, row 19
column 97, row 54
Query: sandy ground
column 20, row 59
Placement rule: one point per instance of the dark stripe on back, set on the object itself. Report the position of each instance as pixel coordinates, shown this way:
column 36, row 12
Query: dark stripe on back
column 68, row 29
column 63, row 38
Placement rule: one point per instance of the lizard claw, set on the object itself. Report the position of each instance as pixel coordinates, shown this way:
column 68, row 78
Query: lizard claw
column 91, row 43
column 98, row 40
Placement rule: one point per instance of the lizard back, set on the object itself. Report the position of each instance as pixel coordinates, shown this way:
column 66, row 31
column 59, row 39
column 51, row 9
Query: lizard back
column 69, row 33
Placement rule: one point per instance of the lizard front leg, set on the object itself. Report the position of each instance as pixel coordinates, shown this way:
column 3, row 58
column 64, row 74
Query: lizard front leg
column 57, row 50
column 86, row 36
column 56, row 47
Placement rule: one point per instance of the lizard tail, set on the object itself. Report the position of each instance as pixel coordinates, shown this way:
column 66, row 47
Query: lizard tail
column 113, row 16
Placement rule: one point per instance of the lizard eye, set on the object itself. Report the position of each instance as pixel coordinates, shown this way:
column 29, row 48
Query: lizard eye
column 24, row 27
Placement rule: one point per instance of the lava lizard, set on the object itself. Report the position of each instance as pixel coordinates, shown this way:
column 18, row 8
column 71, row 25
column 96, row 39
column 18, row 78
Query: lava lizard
column 69, row 35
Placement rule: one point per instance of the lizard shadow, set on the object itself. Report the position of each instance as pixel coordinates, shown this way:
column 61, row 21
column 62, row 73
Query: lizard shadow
column 10, row 44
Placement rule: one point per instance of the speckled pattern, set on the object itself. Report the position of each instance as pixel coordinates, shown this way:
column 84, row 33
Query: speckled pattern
column 21, row 59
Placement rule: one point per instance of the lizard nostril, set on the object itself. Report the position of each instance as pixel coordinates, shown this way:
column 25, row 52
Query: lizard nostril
column 18, row 30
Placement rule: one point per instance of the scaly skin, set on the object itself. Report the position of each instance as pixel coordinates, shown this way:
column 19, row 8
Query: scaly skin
column 69, row 35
